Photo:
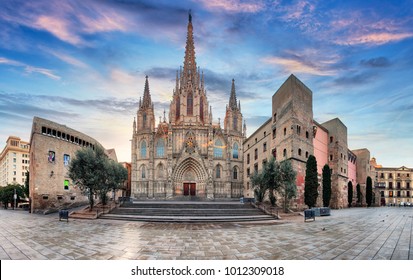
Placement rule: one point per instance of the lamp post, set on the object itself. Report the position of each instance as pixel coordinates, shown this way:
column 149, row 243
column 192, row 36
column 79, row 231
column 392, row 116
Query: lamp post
column 15, row 198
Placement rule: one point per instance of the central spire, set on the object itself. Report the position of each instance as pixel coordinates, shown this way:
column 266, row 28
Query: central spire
column 189, row 62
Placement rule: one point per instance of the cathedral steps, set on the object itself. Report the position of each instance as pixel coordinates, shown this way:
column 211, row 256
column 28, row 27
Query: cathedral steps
column 182, row 211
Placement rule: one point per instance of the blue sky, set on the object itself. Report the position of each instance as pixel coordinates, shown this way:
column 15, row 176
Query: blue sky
column 83, row 64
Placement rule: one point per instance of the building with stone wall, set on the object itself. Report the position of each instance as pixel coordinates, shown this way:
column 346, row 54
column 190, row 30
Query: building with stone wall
column 295, row 135
column 364, row 170
column 393, row 185
column 52, row 146
column 188, row 157
column 257, row 151
column 14, row 161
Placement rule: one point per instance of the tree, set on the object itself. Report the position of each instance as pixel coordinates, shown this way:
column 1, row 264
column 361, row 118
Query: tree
column 358, row 193
column 26, row 188
column 326, row 185
column 288, row 187
column 7, row 194
column 369, row 191
column 311, row 182
column 115, row 175
column 350, row 193
column 87, row 170
column 268, row 180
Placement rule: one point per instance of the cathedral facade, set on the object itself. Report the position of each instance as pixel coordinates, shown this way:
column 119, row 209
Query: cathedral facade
column 187, row 157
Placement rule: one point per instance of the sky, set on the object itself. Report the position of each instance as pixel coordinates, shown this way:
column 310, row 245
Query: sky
column 83, row 64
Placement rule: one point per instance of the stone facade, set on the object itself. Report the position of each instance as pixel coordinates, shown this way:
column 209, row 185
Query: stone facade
column 295, row 135
column 257, row 151
column 188, row 156
column 338, row 152
column 292, row 125
column 393, row 185
column 14, row 162
column 52, row 146
column 364, row 170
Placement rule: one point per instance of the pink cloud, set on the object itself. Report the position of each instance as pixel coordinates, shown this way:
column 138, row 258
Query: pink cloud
column 30, row 69
column 378, row 38
column 234, row 6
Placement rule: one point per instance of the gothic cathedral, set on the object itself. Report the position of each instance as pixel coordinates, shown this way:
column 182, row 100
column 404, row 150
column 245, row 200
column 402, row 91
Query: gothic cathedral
column 189, row 157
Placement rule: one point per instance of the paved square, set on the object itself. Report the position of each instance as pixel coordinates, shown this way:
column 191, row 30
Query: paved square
column 358, row 233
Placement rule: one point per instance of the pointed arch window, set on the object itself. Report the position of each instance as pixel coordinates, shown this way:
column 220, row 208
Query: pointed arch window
column 218, row 171
column 143, row 172
column 235, row 173
column 161, row 171
column 235, row 148
column 143, row 149
column 218, row 149
column 235, row 123
column 160, row 147
column 178, row 108
column 201, row 109
column 190, row 104
column 144, row 120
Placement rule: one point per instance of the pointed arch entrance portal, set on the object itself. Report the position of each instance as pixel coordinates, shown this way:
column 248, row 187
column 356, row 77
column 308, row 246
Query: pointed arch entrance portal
column 190, row 179
column 189, row 183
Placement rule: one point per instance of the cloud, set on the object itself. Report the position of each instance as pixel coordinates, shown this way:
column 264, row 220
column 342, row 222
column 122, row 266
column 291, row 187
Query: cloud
column 377, row 38
column 377, row 62
column 233, row 6
column 299, row 65
column 30, row 69
column 162, row 73
column 68, row 21
column 355, row 79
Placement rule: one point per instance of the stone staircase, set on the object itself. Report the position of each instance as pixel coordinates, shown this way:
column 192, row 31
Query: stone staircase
column 187, row 211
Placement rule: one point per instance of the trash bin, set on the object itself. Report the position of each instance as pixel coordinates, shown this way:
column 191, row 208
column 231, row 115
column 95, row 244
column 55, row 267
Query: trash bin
column 325, row 211
column 64, row 214
column 309, row 214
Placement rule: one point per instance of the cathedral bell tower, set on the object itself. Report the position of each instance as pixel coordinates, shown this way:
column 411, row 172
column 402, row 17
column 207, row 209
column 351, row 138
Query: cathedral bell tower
column 145, row 121
column 233, row 116
column 189, row 104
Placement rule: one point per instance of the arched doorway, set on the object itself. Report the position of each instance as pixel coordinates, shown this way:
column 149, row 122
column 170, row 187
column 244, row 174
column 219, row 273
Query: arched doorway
column 189, row 179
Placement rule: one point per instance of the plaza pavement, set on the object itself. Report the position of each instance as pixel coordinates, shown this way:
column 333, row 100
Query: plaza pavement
column 357, row 233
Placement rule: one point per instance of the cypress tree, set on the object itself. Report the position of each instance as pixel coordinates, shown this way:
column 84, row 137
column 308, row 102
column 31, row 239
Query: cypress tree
column 350, row 193
column 311, row 182
column 369, row 191
column 326, row 185
column 358, row 193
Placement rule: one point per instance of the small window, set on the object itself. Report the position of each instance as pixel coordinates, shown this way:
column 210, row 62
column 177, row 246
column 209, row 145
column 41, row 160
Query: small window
column 45, row 197
column 307, row 135
column 390, row 175
column 285, row 131
column 248, row 172
column 256, row 154
column 264, row 147
column 274, row 133
column 331, row 157
column 299, row 152
column 306, row 154
column 59, row 197
column 256, row 168
column 265, row 133
column 235, row 173
column 285, row 153
column 72, row 197
column 390, row 185
column 51, row 157
column 66, row 185
column 274, row 119
column 248, row 158
column 66, row 159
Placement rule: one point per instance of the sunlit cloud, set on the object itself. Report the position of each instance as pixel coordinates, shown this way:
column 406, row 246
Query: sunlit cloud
column 374, row 38
column 29, row 68
column 68, row 59
column 294, row 65
column 234, row 6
